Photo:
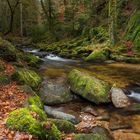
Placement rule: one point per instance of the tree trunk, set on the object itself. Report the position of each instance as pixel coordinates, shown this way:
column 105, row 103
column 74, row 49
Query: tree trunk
column 112, row 21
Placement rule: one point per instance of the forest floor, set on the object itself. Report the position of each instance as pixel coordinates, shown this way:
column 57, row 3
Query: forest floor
column 11, row 98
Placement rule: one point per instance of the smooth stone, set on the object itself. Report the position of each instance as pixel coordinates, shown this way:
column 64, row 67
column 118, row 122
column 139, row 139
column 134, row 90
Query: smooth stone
column 119, row 99
column 60, row 115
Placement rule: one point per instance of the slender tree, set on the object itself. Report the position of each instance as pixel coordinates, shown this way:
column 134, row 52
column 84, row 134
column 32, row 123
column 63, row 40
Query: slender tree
column 112, row 21
column 12, row 9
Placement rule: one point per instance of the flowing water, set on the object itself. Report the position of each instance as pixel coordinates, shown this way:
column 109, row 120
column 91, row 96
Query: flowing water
column 123, row 125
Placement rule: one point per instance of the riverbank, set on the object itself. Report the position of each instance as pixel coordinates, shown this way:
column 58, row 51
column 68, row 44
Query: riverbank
column 89, row 119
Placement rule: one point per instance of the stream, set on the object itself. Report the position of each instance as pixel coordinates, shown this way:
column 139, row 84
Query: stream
column 122, row 124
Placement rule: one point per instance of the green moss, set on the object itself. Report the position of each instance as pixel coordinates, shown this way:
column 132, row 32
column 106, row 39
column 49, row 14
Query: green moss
column 31, row 59
column 40, row 113
column 122, row 58
column 35, row 100
column 89, row 87
column 4, row 79
column 22, row 120
column 7, row 50
column 99, row 54
column 63, row 125
column 28, row 77
column 53, row 133
column 133, row 29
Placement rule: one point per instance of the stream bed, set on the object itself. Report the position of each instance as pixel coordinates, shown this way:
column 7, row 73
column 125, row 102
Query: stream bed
column 123, row 124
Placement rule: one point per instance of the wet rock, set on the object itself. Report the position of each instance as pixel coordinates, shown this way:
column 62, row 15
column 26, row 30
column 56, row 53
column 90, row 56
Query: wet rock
column 104, row 117
column 63, row 125
column 60, row 115
column 102, row 131
column 119, row 122
column 90, row 110
column 133, row 108
column 119, row 99
column 89, row 87
column 55, row 92
column 98, row 133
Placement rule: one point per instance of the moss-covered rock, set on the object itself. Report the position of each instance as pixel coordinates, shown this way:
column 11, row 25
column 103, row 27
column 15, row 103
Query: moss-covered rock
column 89, row 137
column 22, row 120
column 25, row 120
column 63, row 125
column 7, row 50
column 98, row 55
column 89, row 87
column 28, row 77
column 123, row 58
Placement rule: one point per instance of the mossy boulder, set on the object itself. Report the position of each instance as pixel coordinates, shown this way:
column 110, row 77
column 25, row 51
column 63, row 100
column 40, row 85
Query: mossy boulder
column 7, row 50
column 98, row 55
column 24, row 120
column 28, row 77
column 89, row 87
column 63, row 125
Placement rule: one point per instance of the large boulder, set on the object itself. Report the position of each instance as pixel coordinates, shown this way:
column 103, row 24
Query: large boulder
column 55, row 92
column 28, row 77
column 89, row 87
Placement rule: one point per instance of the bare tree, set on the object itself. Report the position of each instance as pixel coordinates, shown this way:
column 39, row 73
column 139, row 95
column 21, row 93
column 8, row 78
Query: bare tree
column 12, row 13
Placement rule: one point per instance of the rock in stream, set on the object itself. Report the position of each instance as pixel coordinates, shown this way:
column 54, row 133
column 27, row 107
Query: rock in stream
column 55, row 91
column 55, row 113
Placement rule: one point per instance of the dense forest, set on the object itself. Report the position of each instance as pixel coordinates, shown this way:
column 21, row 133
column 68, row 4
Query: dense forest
column 69, row 69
